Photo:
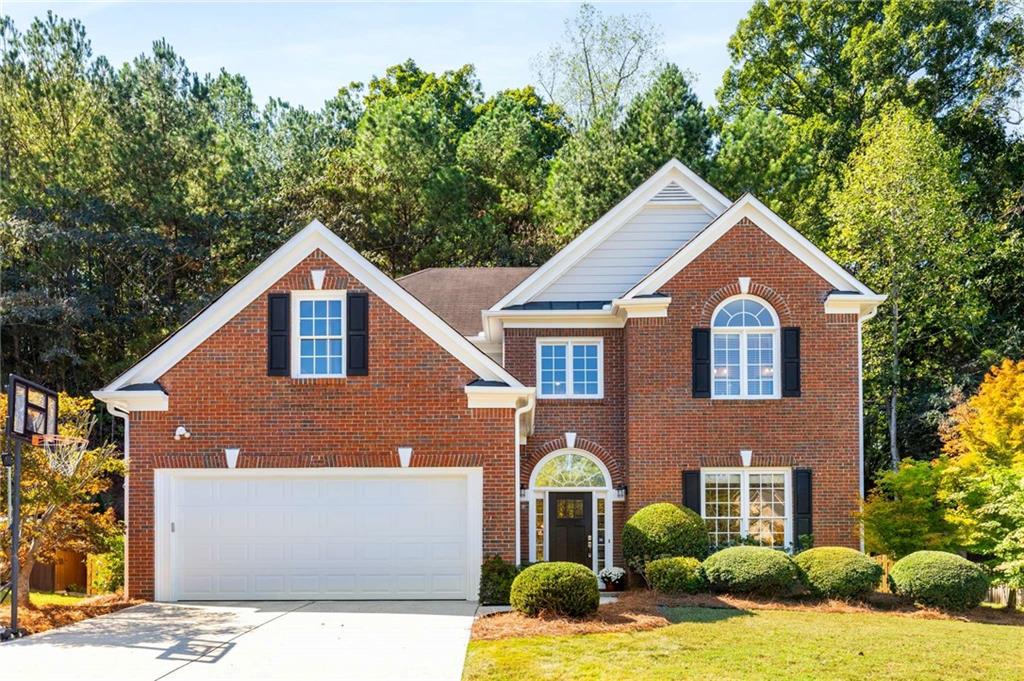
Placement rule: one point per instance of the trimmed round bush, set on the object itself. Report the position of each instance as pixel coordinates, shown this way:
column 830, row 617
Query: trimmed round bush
column 751, row 569
column 838, row 572
column 663, row 530
column 940, row 579
column 678, row 575
column 568, row 589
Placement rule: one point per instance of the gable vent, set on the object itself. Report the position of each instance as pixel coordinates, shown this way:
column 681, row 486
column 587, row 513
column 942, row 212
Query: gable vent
column 673, row 193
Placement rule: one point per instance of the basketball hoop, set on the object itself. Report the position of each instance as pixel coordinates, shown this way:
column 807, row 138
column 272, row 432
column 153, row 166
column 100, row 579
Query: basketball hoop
column 63, row 452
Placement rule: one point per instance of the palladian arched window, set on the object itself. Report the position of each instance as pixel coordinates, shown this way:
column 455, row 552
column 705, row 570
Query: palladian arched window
column 745, row 349
column 569, row 470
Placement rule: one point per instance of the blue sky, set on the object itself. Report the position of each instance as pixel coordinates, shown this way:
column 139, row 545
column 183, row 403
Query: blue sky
column 303, row 51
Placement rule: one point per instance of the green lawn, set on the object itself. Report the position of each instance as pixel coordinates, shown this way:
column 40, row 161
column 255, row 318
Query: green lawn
column 733, row 644
column 45, row 598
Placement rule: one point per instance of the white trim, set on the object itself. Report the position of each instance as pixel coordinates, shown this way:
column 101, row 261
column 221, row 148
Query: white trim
column 744, row 474
column 673, row 171
column 860, row 426
column 864, row 306
column 132, row 400
column 298, row 297
column 607, row 493
column 569, row 343
column 743, row 332
column 164, row 503
column 768, row 221
column 314, row 236
column 497, row 396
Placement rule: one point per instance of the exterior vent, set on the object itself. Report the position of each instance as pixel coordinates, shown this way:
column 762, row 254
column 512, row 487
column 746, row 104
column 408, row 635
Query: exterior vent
column 673, row 193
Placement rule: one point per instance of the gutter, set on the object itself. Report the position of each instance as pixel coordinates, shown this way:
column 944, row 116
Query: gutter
column 531, row 401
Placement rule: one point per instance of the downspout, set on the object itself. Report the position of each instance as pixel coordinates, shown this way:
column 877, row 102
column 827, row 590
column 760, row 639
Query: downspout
column 121, row 414
column 530, row 402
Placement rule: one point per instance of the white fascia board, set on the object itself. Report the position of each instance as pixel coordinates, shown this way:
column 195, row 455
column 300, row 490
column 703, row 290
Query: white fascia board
column 495, row 321
column 640, row 308
column 610, row 222
column 864, row 306
column 498, row 396
column 132, row 400
column 283, row 260
column 768, row 221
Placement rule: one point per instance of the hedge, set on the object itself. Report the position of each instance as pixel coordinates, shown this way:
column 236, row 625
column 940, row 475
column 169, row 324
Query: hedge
column 838, row 572
column 678, row 575
column 660, row 531
column 940, row 579
column 558, row 588
column 751, row 569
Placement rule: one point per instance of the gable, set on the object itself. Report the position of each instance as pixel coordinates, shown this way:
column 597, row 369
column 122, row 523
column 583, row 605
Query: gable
column 770, row 223
column 627, row 242
column 254, row 285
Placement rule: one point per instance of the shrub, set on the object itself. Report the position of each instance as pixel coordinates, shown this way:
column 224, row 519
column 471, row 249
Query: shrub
column 940, row 579
column 663, row 530
column 496, row 575
column 568, row 589
column 838, row 572
column 107, row 569
column 751, row 569
column 678, row 575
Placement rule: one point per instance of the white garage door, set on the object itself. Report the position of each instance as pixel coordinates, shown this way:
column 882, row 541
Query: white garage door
column 331, row 534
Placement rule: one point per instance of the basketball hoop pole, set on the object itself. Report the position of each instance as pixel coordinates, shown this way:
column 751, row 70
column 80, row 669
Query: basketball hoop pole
column 15, row 534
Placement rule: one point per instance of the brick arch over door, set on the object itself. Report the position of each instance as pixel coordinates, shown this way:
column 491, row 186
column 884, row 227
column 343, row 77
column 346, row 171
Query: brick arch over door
column 589, row 446
column 773, row 297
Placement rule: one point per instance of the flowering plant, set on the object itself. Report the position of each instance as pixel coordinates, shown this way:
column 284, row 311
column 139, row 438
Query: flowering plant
column 612, row 575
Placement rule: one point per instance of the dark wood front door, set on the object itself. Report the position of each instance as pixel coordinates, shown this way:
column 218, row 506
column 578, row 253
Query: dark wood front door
column 571, row 527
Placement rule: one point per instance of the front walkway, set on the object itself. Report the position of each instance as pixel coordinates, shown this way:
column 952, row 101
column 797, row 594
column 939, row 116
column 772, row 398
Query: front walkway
column 307, row 640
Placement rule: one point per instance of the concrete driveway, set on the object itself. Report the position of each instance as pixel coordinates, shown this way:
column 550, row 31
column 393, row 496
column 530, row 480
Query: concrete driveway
column 286, row 640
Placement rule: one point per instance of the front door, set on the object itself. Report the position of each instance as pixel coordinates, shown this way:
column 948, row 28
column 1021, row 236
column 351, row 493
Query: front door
column 571, row 539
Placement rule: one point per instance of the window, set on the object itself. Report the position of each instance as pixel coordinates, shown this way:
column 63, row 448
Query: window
column 318, row 323
column 751, row 503
column 569, row 470
column 570, row 368
column 744, row 348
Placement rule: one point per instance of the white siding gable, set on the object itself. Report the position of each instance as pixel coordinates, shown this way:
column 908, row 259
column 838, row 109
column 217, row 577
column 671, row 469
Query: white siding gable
column 670, row 219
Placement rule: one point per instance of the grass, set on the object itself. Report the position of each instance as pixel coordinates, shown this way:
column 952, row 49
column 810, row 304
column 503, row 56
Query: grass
column 39, row 599
column 716, row 643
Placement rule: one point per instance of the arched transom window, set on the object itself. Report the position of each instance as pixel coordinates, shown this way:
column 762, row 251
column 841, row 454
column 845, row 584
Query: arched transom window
column 570, row 469
column 745, row 349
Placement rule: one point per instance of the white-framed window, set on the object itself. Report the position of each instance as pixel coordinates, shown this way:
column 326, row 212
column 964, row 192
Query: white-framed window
column 570, row 368
column 744, row 350
column 318, row 334
column 748, row 502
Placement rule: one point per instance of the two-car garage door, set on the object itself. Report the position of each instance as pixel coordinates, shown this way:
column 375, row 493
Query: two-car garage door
column 318, row 533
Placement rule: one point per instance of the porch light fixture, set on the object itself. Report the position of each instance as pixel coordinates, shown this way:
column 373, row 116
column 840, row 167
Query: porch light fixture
column 620, row 492
column 745, row 456
column 232, row 456
column 181, row 432
column 404, row 456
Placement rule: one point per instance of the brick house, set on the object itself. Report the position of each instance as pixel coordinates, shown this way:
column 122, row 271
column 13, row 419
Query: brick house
column 324, row 431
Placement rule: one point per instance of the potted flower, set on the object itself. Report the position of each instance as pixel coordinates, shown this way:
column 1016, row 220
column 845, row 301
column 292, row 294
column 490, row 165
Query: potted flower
column 614, row 578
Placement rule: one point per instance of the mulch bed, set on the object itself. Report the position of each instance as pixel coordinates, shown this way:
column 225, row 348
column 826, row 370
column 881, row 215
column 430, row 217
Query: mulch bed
column 36, row 620
column 641, row 610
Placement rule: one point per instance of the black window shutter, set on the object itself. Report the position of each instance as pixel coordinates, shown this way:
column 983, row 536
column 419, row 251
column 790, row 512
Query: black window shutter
column 702, row 362
column 358, row 333
column 691, row 490
column 801, row 503
column 791, row 361
column 278, row 316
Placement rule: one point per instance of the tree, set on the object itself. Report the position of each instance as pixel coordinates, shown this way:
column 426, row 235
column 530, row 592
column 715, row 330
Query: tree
column 902, row 229
column 602, row 63
column 903, row 512
column 59, row 512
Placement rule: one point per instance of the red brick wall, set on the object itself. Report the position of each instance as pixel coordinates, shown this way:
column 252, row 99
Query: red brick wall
column 669, row 431
column 413, row 396
column 649, row 428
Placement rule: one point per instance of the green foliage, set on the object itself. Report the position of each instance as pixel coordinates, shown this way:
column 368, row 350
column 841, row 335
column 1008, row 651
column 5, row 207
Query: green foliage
column 496, row 576
column 677, row 575
column 567, row 589
column 107, row 568
column 838, row 572
column 663, row 530
column 903, row 514
column 939, row 579
column 751, row 569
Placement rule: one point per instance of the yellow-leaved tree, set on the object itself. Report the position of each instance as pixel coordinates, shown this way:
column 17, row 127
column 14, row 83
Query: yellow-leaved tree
column 58, row 511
